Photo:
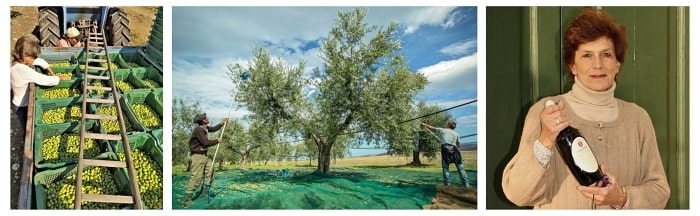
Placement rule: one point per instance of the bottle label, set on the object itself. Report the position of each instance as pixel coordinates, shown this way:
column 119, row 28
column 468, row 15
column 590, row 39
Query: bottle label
column 583, row 156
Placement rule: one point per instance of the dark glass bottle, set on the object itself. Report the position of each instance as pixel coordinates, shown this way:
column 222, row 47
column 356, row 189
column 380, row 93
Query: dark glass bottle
column 578, row 156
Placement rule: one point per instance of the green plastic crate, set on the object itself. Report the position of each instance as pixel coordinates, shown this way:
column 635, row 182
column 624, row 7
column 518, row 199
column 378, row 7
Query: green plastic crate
column 143, row 142
column 157, row 30
column 154, row 53
column 158, row 135
column 145, row 97
column 71, row 85
column 94, row 93
column 128, row 77
column 135, row 124
column 42, row 132
column 45, row 178
column 54, row 57
column 114, row 58
column 137, row 59
column 156, row 40
column 72, row 69
column 150, row 74
column 43, row 105
column 159, row 94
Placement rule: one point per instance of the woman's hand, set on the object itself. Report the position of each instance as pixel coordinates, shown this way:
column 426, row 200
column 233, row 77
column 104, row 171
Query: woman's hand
column 612, row 194
column 552, row 121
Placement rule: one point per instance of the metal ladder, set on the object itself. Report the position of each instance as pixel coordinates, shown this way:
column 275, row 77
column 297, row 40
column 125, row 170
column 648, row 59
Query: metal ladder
column 96, row 46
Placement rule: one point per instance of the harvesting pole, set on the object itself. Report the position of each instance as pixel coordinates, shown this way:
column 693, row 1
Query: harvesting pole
column 429, row 131
column 244, row 77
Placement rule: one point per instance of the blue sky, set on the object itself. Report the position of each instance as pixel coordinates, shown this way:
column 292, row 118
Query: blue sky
column 439, row 42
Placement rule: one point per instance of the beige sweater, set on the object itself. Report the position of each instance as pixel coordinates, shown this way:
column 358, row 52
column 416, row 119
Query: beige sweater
column 626, row 146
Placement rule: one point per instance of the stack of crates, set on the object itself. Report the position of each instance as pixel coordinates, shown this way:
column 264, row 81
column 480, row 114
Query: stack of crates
column 57, row 125
column 53, row 187
column 145, row 87
column 148, row 161
column 154, row 48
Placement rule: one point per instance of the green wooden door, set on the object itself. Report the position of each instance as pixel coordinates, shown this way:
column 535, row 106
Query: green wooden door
column 524, row 64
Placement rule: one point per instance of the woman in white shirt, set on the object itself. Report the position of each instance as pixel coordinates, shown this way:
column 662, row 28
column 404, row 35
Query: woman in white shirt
column 25, row 57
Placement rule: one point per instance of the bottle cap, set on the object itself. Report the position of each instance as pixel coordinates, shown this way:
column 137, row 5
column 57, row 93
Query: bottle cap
column 549, row 103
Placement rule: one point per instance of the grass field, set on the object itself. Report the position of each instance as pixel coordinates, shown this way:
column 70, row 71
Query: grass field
column 382, row 161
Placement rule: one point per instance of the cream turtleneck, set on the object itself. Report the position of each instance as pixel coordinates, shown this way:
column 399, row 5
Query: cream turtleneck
column 592, row 105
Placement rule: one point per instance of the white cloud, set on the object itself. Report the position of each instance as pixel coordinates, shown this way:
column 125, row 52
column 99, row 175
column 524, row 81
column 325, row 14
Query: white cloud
column 206, row 83
column 451, row 75
column 459, row 48
column 453, row 103
column 438, row 16
column 467, row 121
column 203, row 47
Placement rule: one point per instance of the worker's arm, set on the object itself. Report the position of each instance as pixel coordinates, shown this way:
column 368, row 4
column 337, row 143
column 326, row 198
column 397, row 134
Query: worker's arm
column 427, row 126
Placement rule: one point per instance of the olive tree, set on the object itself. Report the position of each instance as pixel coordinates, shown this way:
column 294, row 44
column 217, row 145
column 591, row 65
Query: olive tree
column 363, row 85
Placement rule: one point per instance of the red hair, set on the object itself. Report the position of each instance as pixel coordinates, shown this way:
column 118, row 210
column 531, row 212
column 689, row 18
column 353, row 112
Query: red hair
column 589, row 26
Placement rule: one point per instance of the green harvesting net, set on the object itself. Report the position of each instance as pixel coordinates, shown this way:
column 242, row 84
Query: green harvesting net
column 305, row 188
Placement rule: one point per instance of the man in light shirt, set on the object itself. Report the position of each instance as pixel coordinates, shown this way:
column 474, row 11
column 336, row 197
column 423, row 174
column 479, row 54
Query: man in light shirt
column 450, row 151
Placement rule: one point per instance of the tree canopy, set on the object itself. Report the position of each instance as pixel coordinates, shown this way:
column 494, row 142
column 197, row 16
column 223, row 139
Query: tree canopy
column 363, row 85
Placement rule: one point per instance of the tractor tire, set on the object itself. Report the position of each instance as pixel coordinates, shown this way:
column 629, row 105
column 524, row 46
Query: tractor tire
column 49, row 28
column 118, row 31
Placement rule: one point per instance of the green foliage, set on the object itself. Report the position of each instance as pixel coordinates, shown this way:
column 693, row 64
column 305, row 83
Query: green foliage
column 422, row 140
column 183, row 112
column 363, row 85
column 234, row 136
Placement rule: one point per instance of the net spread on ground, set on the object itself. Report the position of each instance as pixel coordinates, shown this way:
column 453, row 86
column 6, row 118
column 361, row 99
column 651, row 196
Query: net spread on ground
column 306, row 188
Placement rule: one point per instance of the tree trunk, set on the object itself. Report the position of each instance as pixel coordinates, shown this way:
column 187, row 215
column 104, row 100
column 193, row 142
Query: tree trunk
column 416, row 158
column 244, row 160
column 221, row 165
column 324, row 158
column 324, row 153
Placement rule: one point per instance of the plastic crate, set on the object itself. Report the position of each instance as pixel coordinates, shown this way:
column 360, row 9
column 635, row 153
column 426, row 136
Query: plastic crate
column 114, row 58
column 136, row 126
column 128, row 77
column 45, row 178
column 43, row 105
column 42, row 132
column 137, row 59
column 55, row 57
column 72, row 85
column 157, row 31
column 156, row 43
column 150, row 74
column 158, row 135
column 72, row 69
column 159, row 94
column 145, row 97
column 95, row 93
column 143, row 142
column 154, row 53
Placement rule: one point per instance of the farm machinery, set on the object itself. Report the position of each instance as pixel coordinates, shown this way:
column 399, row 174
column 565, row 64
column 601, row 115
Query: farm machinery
column 54, row 21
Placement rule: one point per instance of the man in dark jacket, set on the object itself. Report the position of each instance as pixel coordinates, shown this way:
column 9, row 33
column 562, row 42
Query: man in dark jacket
column 200, row 165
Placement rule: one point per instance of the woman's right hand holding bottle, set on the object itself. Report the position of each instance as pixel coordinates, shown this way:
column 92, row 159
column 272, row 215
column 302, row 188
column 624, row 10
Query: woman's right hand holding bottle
column 552, row 121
